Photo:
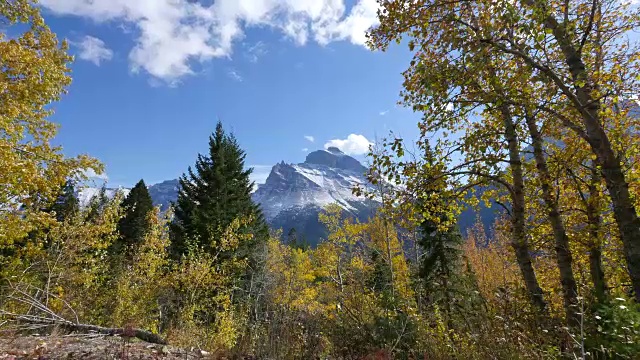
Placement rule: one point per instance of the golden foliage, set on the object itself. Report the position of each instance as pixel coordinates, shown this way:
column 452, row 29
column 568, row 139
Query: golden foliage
column 34, row 74
column 201, row 289
column 142, row 282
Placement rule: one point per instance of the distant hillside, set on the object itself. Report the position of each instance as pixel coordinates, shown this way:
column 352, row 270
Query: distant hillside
column 294, row 195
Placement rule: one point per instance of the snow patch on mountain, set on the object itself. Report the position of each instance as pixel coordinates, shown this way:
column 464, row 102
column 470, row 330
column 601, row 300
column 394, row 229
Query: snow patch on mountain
column 293, row 194
column 326, row 177
column 86, row 194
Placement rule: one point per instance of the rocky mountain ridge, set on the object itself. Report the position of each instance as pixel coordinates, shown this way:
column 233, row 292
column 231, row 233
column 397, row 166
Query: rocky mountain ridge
column 293, row 194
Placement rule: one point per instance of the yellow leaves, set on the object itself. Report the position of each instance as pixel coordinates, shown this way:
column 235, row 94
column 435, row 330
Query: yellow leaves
column 232, row 237
column 140, row 285
column 295, row 275
column 34, row 74
column 335, row 283
column 493, row 264
column 205, row 284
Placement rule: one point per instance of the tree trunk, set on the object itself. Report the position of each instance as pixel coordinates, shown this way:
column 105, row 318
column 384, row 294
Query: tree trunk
column 563, row 253
column 519, row 241
column 623, row 209
column 589, row 108
column 595, row 252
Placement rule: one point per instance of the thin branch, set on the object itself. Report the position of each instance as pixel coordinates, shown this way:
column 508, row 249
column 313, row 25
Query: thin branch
column 587, row 31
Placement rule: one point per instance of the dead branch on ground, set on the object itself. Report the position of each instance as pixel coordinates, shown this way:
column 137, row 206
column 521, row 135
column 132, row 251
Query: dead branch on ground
column 40, row 316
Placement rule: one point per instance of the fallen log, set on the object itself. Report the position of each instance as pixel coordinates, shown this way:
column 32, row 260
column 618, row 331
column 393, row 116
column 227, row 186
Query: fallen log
column 141, row 334
column 43, row 316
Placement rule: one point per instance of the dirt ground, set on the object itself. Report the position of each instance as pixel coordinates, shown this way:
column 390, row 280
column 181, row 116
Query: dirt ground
column 65, row 347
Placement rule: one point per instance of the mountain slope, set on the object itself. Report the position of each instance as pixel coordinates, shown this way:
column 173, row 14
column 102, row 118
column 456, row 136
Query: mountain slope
column 324, row 178
column 86, row 194
column 294, row 194
column 164, row 193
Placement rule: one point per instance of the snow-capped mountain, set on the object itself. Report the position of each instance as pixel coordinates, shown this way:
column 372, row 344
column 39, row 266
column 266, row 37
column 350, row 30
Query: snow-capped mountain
column 326, row 176
column 86, row 194
column 294, row 194
column 162, row 193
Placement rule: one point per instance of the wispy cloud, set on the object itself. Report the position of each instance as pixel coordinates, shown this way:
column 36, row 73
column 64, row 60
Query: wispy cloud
column 383, row 113
column 235, row 75
column 94, row 50
column 92, row 175
column 305, row 149
column 260, row 173
column 172, row 35
column 256, row 51
column 354, row 144
column 309, row 138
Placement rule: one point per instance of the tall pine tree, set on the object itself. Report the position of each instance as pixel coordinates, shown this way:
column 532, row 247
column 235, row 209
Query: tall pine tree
column 66, row 205
column 446, row 283
column 442, row 254
column 213, row 195
column 134, row 224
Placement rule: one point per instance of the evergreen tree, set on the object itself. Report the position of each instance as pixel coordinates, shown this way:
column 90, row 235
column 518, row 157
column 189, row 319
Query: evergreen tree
column 440, row 265
column 439, row 237
column 296, row 241
column 292, row 237
column 66, row 205
column 134, row 224
column 97, row 204
column 442, row 252
column 212, row 195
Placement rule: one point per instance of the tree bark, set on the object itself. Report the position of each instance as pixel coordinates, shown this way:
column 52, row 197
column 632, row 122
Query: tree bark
column 519, row 240
column 595, row 251
column 588, row 106
column 623, row 208
column 563, row 253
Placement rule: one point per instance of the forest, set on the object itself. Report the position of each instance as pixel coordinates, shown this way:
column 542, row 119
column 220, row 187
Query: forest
column 529, row 106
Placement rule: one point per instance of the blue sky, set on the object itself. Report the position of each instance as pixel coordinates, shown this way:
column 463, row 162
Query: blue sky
column 152, row 77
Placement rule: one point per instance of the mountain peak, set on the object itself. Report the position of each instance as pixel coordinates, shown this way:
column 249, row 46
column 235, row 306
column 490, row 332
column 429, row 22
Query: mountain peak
column 334, row 150
column 334, row 158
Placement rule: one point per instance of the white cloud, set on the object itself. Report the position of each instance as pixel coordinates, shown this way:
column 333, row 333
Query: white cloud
column 173, row 34
column 256, row 51
column 354, row 144
column 353, row 28
column 92, row 175
column 309, row 138
column 305, row 149
column 94, row 50
column 383, row 113
column 233, row 74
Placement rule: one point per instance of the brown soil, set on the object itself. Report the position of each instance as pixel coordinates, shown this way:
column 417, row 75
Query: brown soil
column 60, row 347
